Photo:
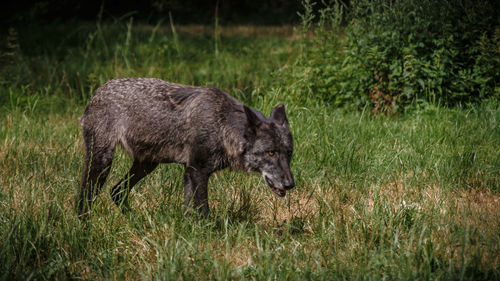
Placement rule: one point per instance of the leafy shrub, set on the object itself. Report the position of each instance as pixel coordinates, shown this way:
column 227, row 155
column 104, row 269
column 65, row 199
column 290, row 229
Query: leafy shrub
column 395, row 54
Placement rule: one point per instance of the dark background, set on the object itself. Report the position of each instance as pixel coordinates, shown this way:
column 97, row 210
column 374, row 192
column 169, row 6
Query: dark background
column 264, row 12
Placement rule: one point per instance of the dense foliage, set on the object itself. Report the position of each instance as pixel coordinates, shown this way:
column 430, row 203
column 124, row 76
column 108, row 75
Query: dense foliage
column 393, row 54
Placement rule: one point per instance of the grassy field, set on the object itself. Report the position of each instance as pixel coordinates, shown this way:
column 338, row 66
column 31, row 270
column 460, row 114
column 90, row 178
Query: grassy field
column 402, row 197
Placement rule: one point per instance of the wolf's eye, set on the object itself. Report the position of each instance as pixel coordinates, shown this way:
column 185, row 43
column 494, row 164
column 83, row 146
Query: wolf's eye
column 271, row 153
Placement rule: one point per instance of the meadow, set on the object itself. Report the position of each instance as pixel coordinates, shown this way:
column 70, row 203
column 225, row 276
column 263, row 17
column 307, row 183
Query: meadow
column 411, row 196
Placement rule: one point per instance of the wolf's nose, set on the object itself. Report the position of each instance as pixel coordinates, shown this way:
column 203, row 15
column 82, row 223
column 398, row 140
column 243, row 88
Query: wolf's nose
column 289, row 184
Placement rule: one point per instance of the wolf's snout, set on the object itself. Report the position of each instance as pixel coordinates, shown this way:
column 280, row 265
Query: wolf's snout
column 288, row 184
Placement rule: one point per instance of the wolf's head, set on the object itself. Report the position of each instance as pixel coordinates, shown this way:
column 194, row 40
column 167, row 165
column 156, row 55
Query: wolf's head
column 270, row 148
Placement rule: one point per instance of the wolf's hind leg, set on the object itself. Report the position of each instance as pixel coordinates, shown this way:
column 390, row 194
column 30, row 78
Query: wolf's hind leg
column 120, row 192
column 96, row 169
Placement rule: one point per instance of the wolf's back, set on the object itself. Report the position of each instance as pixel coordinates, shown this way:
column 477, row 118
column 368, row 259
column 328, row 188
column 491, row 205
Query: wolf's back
column 165, row 121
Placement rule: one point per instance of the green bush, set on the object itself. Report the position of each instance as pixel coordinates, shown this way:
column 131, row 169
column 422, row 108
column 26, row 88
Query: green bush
column 395, row 54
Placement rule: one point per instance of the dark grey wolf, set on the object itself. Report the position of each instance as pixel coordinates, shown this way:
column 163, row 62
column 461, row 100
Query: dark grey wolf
column 201, row 127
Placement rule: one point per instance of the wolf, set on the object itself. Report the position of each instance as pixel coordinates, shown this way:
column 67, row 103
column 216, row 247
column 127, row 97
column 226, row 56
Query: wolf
column 202, row 128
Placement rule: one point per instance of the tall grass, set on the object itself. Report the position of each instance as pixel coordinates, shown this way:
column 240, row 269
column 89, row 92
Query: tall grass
column 72, row 60
column 409, row 197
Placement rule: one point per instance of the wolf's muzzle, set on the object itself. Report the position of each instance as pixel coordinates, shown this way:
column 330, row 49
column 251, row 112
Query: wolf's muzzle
column 288, row 184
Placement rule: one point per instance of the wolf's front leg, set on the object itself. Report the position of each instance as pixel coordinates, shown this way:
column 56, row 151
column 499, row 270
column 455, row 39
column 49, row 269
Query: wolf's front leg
column 196, row 190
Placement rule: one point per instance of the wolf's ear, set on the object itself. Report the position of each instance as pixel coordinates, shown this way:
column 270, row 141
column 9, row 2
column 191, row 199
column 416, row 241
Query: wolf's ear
column 279, row 115
column 253, row 121
column 252, row 118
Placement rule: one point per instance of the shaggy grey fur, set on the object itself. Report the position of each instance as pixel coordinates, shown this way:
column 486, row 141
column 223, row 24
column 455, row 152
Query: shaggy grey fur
column 202, row 128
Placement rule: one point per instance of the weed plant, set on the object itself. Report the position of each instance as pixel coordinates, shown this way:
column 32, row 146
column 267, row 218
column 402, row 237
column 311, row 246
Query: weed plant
column 402, row 197
column 394, row 55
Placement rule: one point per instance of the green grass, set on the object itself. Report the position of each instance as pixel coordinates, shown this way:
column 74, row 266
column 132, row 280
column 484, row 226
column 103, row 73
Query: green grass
column 403, row 197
